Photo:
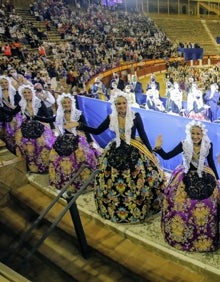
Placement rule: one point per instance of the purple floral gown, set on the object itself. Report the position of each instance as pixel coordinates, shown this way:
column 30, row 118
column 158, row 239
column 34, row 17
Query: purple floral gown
column 10, row 121
column 188, row 223
column 34, row 141
column 9, row 129
column 68, row 154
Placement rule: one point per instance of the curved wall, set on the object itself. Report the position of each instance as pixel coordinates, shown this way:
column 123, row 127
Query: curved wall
column 147, row 67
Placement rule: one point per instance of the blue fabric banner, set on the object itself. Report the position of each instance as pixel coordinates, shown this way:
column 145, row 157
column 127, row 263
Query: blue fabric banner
column 170, row 126
column 193, row 53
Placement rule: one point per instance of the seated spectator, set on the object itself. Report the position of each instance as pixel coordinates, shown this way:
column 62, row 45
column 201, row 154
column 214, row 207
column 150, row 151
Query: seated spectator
column 153, row 83
column 211, row 99
column 153, row 101
column 136, row 85
column 137, row 89
column 42, row 51
column 120, row 82
column 169, row 87
column 99, row 90
column 196, row 108
column 6, row 50
column 131, row 94
column 176, row 99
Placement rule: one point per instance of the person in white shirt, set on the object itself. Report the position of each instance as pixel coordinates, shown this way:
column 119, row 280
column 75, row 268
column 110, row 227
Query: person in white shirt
column 153, row 101
column 128, row 90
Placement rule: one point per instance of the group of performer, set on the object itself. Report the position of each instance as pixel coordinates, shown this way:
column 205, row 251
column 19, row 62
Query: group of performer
column 131, row 185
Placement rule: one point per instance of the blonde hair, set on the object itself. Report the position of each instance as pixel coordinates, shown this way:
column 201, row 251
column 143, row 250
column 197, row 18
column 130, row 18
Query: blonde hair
column 75, row 113
column 129, row 118
column 188, row 147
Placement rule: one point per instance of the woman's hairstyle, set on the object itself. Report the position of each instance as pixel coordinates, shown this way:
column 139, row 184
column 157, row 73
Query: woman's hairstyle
column 25, row 86
column 60, row 117
column 114, row 126
column 11, row 90
column 36, row 103
column 188, row 147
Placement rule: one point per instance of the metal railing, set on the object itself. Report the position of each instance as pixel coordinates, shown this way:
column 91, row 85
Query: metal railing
column 71, row 206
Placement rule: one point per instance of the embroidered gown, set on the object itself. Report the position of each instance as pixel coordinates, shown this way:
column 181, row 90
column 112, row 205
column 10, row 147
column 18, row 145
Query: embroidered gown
column 10, row 119
column 70, row 151
column 189, row 224
column 35, row 138
column 128, row 189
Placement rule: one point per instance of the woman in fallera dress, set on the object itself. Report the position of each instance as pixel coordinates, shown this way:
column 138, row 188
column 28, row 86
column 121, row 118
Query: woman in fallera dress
column 35, row 138
column 10, row 118
column 72, row 148
column 128, row 188
column 190, row 205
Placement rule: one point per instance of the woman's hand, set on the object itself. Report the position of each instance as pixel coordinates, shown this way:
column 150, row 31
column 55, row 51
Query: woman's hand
column 159, row 141
column 70, row 124
column 218, row 158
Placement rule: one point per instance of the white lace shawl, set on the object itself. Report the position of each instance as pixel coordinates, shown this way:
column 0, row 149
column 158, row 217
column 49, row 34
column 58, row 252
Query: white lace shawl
column 11, row 90
column 129, row 118
column 188, row 147
column 36, row 102
column 75, row 113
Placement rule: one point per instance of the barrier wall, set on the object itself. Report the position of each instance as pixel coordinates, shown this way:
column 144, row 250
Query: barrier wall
column 142, row 68
column 194, row 56
column 170, row 126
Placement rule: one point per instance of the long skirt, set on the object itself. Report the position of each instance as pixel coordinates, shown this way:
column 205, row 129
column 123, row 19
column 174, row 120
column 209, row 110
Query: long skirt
column 63, row 165
column 8, row 132
column 35, row 151
column 129, row 187
column 189, row 224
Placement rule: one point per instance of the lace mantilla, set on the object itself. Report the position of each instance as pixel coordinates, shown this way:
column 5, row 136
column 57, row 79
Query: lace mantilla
column 188, row 148
column 11, row 91
column 36, row 102
column 129, row 118
column 74, row 116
